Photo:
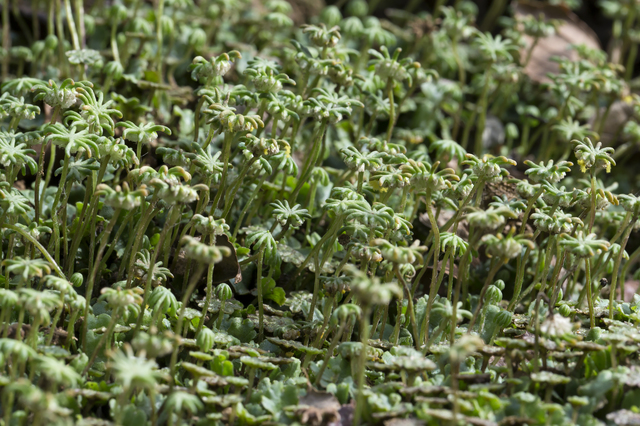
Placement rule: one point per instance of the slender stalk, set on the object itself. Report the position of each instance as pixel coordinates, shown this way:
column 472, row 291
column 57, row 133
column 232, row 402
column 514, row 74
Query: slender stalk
column 412, row 313
column 631, row 60
column 434, row 275
column 311, row 160
column 360, row 400
column 174, row 214
column 35, row 242
column 114, row 43
column 226, row 150
column 329, row 235
column 492, row 272
column 143, row 225
column 63, row 179
column 527, row 212
column 616, row 266
column 483, row 112
column 91, row 212
column 178, row 329
column 159, row 12
column 6, row 39
column 80, row 21
column 207, row 299
column 392, row 109
column 592, row 212
column 334, row 342
column 103, row 339
column 72, row 25
column 231, row 195
column 116, row 238
column 587, row 269
column 260, row 304
column 560, row 258
column 246, row 207
column 494, row 12
column 95, row 270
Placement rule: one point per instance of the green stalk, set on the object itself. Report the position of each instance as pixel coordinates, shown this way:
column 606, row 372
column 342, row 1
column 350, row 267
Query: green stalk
column 226, row 150
column 318, row 343
column 392, row 109
column 412, row 314
column 467, row 128
column 103, row 339
column 542, row 269
column 52, row 161
column 62, row 59
column 260, row 304
column 142, row 227
column 527, row 212
column 335, row 226
column 436, row 333
column 207, row 299
column 32, row 337
column 461, row 72
column 35, row 242
column 631, row 60
column 316, row 288
column 587, row 268
column 72, row 26
column 196, row 125
column 114, row 44
column 434, row 275
column 63, row 178
column 436, row 235
column 90, row 212
column 40, row 174
column 159, row 11
column 494, row 12
column 50, row 17
column 492, row 272
column 483, row 112
column 520, row 266
column 246, row 208
column 6, row 39
column 616, row 267
column 174, row 214
column 116, row 238
column 560, row 254
column 80, row 21
column 628, row 24
column 607, row 110
column 94, row 270
column 360, row 182
column 433, row 291
column 311, row 204
column 164, row 244
column 530, row 51
column 592, row 212
column 311, row 160
column 479, row 185
column 360, row 400
column 235, row 187
column 178, row 329
column 220, row 314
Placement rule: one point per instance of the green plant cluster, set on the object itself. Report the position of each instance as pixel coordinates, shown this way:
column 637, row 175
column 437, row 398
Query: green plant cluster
column 211, row 215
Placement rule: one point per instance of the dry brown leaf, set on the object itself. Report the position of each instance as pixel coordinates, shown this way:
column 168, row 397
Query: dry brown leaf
column 318, row 408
